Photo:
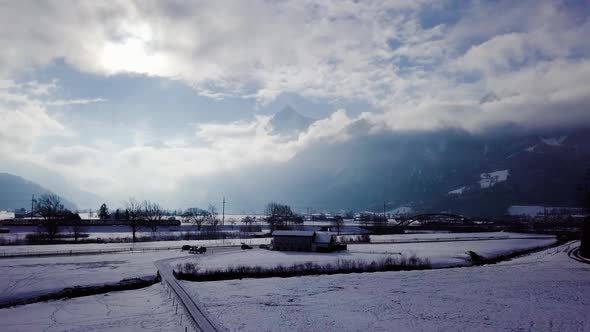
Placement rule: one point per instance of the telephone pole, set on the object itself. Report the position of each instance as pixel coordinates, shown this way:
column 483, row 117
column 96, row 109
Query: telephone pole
column 223, row 213
column 32, row 200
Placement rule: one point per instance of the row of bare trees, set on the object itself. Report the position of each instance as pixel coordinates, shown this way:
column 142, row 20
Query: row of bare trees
column 201, row 217
column 143, row 214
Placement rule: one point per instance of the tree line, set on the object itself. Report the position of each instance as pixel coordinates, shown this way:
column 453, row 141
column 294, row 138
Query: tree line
column 150, row 215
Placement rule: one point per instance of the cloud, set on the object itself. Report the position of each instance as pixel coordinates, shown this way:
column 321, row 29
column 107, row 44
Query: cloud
column 530, row 64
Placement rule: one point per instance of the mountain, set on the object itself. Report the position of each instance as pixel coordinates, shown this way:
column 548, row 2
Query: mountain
column 289, row 123
column 16, row 192
column 53, row 181
column 477, row 174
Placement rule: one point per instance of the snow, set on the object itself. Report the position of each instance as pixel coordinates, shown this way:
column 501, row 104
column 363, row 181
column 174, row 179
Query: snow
column 293, row 233
column 446, row 236
column 96, row 247
column 6, row 215
column 401, row 210
column 491, row 179
column 458, row 191
column 147, row 309
column 554, row 141
column 31, row 277
column 534, row 210
column 441, row 254
column 546, row 291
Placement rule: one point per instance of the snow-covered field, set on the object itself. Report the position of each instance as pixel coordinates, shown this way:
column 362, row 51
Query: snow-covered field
column 95, row 247
column 452, row 236
column 147, row 309
column 441, row 254
column 32, row 277
column 546, row 291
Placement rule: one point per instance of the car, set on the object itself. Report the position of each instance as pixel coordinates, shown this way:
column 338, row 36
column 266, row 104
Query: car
column 245, row 246
column 197, row 250
column 264, row 246
column 185, row 247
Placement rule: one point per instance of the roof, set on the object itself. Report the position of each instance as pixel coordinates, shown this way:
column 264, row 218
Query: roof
column 323, row 237
column 293, row 233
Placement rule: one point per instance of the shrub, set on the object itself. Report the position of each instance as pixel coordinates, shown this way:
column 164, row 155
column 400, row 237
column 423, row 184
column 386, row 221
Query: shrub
column 191, row 271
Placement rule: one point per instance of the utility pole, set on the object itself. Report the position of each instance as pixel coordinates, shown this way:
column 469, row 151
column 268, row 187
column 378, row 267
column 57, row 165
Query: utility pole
column 223, row 213
column 32, row 200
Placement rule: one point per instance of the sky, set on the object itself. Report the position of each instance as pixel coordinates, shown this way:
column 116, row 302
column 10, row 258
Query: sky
column 131, row 98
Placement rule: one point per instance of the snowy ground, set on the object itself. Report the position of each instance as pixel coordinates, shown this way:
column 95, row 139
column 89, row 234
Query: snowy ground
column 452, row 236
column 147, row 309
column 92, row 247
column 546, row 291
column 32, row 277
column 441, row 254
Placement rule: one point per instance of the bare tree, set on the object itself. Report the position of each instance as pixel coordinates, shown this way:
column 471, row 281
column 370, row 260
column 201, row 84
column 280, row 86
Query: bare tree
column 76, row 224
column 278, row 215
column 212, row 214
column 133, row 213
column 195, row 216
column 50, row 208
column 338, row 222
column 152, row 213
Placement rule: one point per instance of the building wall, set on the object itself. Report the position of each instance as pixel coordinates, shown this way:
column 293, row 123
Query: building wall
column 293, row 243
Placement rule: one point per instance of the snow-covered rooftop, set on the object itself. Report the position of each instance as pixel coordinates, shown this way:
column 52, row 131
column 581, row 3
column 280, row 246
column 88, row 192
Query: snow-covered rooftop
column 293, row 233
column 323, row 237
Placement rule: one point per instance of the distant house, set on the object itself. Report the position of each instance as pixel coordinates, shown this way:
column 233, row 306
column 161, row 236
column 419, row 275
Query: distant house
column 20, row 213
column 305, row 241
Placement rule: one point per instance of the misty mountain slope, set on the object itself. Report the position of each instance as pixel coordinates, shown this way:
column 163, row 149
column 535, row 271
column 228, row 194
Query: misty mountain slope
column 419, row 169
column 16, row 192
column 53, row 181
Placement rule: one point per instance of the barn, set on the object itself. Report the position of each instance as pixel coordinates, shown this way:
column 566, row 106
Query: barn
column 293, row 240
column 305, row 241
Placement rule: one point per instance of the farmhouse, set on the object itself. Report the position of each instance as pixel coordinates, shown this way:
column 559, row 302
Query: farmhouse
column 305, row 241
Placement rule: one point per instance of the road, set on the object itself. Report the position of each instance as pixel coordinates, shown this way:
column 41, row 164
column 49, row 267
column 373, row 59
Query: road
column 198, row 316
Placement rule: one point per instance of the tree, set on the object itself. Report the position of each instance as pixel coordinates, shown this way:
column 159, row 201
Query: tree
column 76, row 224
column 338, row 222
column 195, row 216
column 152, row 213
column 248, row 220
column 103, row 212
column 50, row 208
column 278, row 215
column 133, row 213
column 212, row 215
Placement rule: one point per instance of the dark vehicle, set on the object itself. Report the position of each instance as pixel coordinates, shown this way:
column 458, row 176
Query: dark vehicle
column 197, row 250
column 185, row 247
column 245, row 246
column 264, row 246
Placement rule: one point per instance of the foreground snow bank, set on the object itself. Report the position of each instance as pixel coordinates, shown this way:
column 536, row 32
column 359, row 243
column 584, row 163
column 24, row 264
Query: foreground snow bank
column 147, row 309
column 26, row 278
column 546, row 291
column 439, row 254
